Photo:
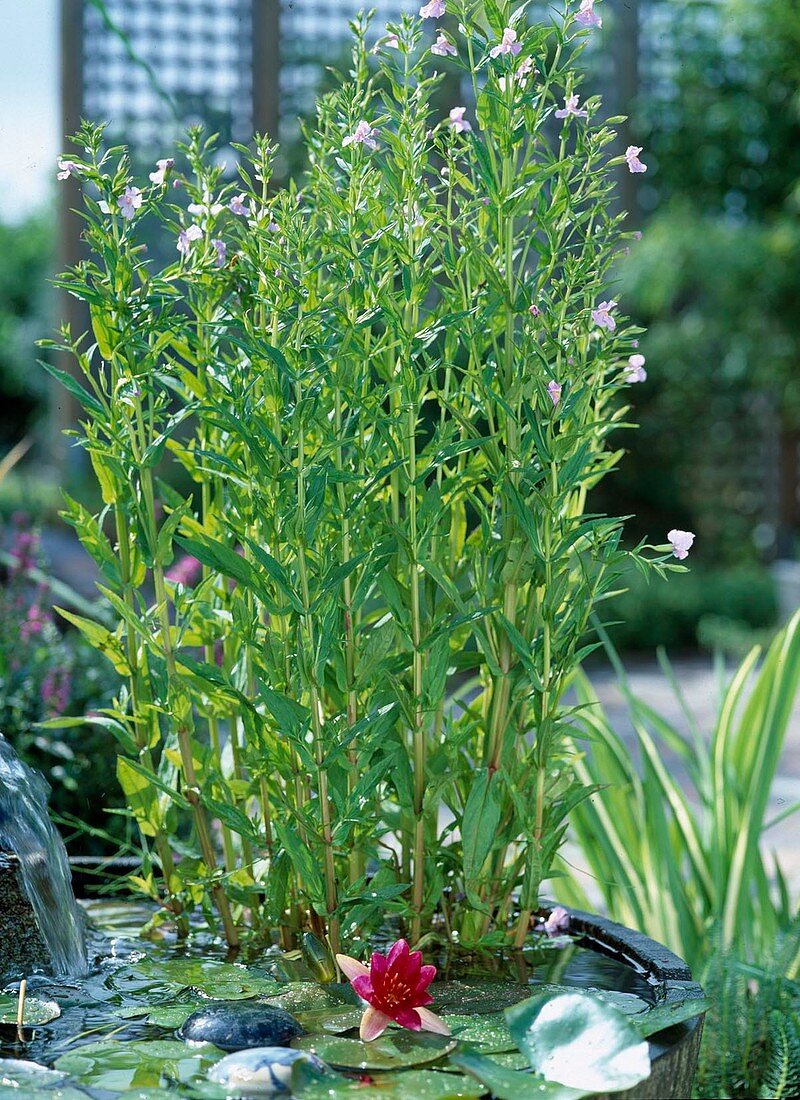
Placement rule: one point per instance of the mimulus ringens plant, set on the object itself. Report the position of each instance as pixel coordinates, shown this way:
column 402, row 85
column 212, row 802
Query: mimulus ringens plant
column 347, row 628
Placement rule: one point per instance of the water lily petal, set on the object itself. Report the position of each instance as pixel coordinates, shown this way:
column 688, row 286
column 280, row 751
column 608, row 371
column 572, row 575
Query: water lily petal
column 351, row 968
column 431, row 1022
column 363, row 986
column 410, row 1018
column 373, row 1024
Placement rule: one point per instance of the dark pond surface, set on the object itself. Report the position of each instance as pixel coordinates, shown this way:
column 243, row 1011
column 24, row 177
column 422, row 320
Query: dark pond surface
column 139, row 990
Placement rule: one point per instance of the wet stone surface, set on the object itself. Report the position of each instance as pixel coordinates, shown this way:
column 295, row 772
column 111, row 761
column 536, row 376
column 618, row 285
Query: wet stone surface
column 234, row 1026
column 265, row 1071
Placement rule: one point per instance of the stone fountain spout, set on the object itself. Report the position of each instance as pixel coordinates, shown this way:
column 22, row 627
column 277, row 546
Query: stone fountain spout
column 41, row 927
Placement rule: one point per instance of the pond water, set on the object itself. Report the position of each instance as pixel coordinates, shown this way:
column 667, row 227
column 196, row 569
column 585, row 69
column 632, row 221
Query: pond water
column 139, row 992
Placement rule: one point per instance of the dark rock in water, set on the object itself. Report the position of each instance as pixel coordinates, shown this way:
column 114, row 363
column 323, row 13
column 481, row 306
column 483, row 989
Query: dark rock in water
column 261, row 1072
column 22, row 948
column 241, row 1025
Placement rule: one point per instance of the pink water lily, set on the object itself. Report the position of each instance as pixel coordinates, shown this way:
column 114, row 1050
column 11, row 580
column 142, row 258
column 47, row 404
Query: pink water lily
column 587, row 16
column 395, row 987
column 681, row 543
column 507, row 44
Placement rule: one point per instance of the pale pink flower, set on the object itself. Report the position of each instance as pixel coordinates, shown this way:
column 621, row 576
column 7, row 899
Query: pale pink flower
column 239, row 205
column 162, row 167
column 554, row 389
column 364, row 134
column 632, row 159
column 587, row 16
column 434, row 10
column 443, row 46
column 681, row 542
column 207, row 209
column 460, row 124
column 636, row 371
column 571, row 108
column 525, row 68
column 534, row 310
column 557, row 922
column 221, row 250
column 601, row 315
column 185, row 238
column 388, row 42
column 129, row 202
column 67, row 168
column 507, row 44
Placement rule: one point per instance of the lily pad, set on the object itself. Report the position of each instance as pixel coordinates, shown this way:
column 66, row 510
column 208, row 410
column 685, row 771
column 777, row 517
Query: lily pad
column 36, row 1012
column 488, row 1033
column 579, row 1041
column 668, row 1015
column 393, row 1050
column 119, row 1066
column 415, row 1084
column 510, row 1084
column 626, row 1003
column 476, row 996
column 220, row 980
column 331, row 1020
column 298, row 997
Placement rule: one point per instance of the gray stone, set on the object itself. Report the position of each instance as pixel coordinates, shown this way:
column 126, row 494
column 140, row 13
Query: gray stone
column 264, row 1071
column 22, row 949
column 241, row 1025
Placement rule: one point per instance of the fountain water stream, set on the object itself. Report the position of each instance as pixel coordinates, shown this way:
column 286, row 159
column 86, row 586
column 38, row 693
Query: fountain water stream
column 35, row 852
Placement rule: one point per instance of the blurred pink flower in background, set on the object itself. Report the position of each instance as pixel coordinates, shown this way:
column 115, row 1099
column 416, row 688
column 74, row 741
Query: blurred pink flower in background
column 587, row 16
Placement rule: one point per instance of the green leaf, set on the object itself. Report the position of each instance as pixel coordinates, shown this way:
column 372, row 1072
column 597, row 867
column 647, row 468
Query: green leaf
column 579, row 1041
column 667, row 1015
column 118, row 1066
column 414, row 1084
column 36, row 1011
column 511, row 1084
column 393, row 1050
column 85, row 399
column 488, row 1033
column 479, row 829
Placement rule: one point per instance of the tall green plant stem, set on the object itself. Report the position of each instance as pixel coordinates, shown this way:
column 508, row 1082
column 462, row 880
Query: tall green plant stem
column 139, row 703
column 192, row 790
column 331, row 897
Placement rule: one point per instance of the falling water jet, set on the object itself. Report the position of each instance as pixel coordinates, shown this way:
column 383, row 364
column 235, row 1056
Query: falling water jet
column 40, row 924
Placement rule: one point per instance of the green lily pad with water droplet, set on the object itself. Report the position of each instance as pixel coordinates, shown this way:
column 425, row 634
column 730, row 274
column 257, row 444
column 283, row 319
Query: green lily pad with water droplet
column 331, row 1020
column 219, row 980
column 627, row 1003
column 120, row 1066
column 470, row 996
column 36, row 1012
column 488, row 1033
column 414, row 1084
column 393, row 1050
column 297, row 997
